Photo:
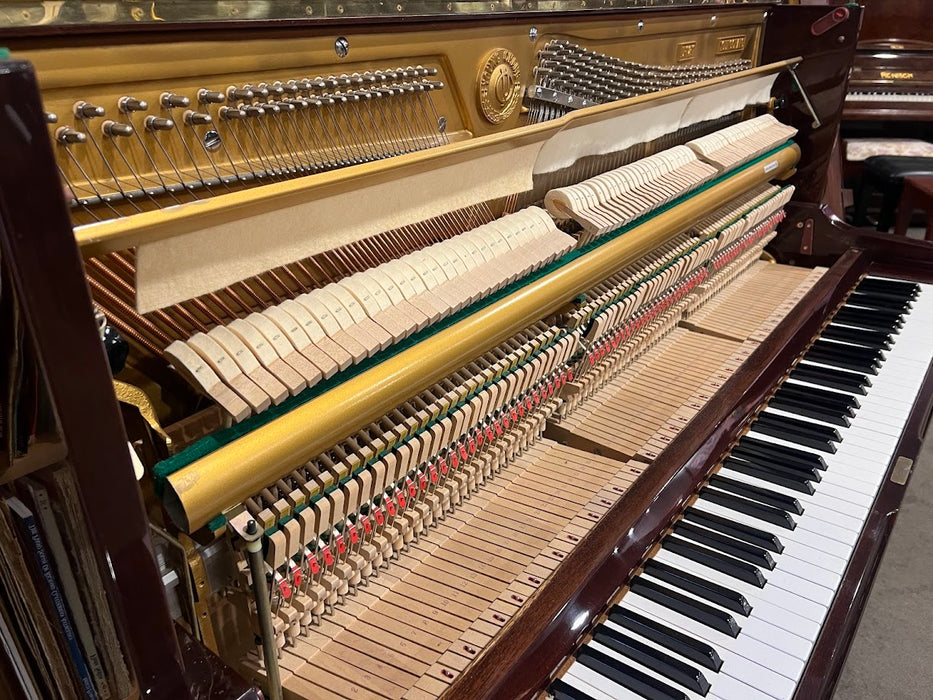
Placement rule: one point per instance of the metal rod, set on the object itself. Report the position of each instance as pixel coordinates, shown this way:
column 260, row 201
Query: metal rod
column 270, row 655
column 215, row 482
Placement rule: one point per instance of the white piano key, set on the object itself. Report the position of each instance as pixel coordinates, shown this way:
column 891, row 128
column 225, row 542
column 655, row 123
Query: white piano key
column 809, row 539
column 806, row 615
column 803, row 533
column 722, row 685
column 822, row 496
column 756, row 626
column 692, row 695
column 748, row 660
column 596, row 685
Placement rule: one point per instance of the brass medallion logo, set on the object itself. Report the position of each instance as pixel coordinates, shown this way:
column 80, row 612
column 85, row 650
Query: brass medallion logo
column 500, row 86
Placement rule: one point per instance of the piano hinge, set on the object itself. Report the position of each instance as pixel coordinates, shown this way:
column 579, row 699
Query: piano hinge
column 830, row 20
column 806, row 236
column 901, row 471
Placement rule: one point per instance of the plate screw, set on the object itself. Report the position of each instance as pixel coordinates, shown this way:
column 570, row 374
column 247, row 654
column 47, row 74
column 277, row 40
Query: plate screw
column 341, row 47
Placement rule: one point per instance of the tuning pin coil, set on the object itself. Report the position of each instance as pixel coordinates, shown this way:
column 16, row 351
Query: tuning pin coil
column 113, row 129
column 159, row 124
column 170, row 100
column 67, row 135
column 206, row 97
column 131, row 104
column 193, row 118
column 85, row 110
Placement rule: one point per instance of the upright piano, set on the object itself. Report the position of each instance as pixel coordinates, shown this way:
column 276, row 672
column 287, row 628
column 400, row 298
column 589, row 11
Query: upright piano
column 461, row 350
column 889, row 104
column 892, row 75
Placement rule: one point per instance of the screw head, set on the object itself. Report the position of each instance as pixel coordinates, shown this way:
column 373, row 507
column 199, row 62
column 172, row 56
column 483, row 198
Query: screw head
column 442, row 124
column 212, row 141
column 641, row 25
column 532, row 34
column 341, row 47
column 251, row 527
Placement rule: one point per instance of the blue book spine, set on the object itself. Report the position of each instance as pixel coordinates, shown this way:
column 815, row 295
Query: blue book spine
column 55, row 594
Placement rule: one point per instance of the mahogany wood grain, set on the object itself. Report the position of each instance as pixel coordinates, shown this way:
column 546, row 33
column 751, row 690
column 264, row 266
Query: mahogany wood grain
column 903, row 23
column 888, row 112
column 824, row 73
column 832, row 236
column 38, row 245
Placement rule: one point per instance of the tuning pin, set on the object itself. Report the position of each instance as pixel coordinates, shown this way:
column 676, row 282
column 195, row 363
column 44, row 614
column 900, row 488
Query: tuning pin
column 67, row 135
column 193, row 118
column 131, row 104
column 253, row 110
column 112, row 128
column 171, row 100
column 51, row 118
column 159, row 124
column 291, row 87
column 257, row 91
column 275, row 90
column 206, row 97
column 227, row 113
column 85, row 110
column 235, row 94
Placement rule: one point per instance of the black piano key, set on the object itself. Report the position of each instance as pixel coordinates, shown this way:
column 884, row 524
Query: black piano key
column 824, row 397
column 714, row 618
column 860, row 336
column 726, row 545
column 863, row 318
column 810, row 410
column 753, row 535
column 832, row 378
column 857, row 362
column 757, row 493
column 878, row 301
column 898, row 288
column 799, row 426
column 564, row 691
column 663, row 664
column 737, row 569
column 673, row 640
column 791, row 477
column 783, row 454
column 849, row 350
column 628, row 677
column 881, row 315
column 779, row 462
column 713, row 592
column 795, row 437
column 768, row 514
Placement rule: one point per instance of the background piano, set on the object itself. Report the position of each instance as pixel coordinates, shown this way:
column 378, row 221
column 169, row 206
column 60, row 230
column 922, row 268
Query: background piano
column 889, row 104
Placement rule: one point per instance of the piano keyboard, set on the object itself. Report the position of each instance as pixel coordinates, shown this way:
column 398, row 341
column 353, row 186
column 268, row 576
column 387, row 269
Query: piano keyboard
column 888, row 97
column 731, row 603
